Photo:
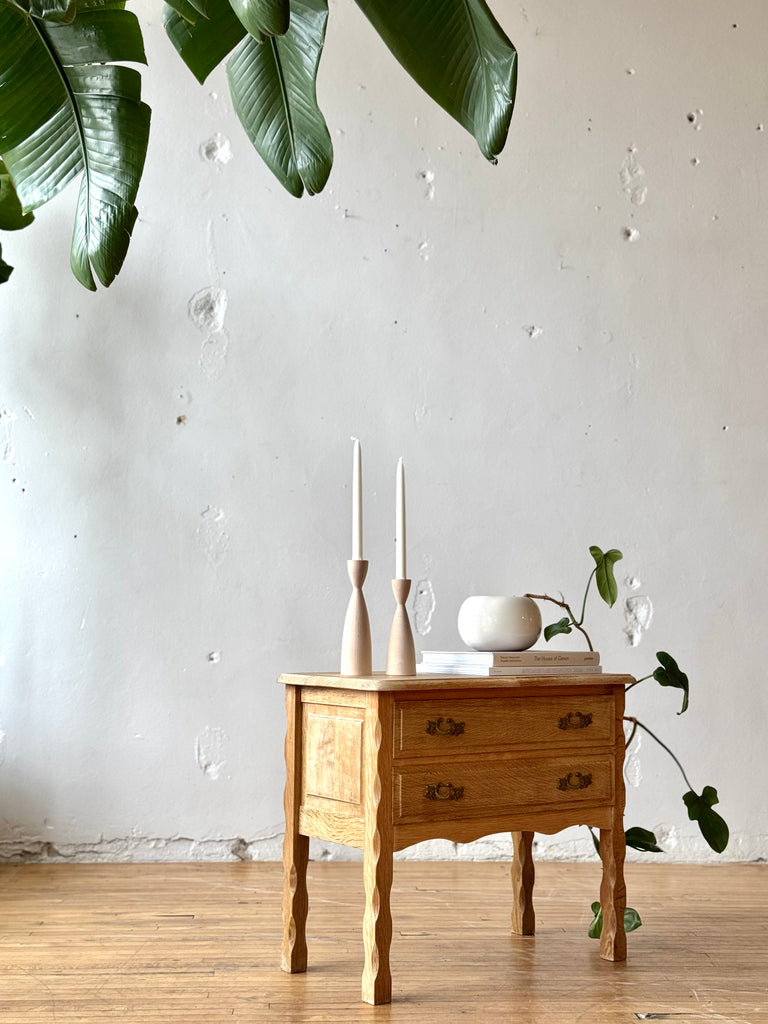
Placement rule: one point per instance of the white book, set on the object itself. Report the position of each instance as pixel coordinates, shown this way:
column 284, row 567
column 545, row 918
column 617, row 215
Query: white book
column 434, row 668
column 511, row 659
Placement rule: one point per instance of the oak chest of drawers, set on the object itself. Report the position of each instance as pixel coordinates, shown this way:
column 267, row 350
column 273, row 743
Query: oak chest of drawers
column 382, row 762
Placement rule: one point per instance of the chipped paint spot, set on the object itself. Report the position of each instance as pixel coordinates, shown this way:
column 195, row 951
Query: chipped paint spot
column 214, row 657
column 209, row 747
column 532, row 331
column 424, row 250
column 212, row 538
column 667, row 836
column 213, row 354
column 695, row 161
column 694, row 119
column 421, row 413
column 632, row 770
column 216, row 150
column 632, row 583
column 8, row 446
column 630, row 71
column 632, row 177
column 630, row 234
column 423, row 606
column 428, row 177
column 207, row 308
column 638, row 615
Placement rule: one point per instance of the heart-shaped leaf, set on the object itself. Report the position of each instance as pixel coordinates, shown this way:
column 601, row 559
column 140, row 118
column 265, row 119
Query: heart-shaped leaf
column 563, row 626
column 713, row 827
column 631, row 921
column 670, row 675
column 606, row 582
column 643, row 840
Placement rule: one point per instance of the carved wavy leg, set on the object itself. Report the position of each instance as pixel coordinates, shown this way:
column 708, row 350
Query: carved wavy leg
column 295, row 846
column 613, row 892
column 377, row 848
column 523, row 874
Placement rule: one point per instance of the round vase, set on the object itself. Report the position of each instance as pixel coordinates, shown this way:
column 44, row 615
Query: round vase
column 499, row 623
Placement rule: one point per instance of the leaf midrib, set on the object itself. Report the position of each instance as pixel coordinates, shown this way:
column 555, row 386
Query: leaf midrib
column 45, row 39
column 284, row 94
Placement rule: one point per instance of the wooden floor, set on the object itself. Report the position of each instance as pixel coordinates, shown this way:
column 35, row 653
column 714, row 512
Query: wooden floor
column 201, row 942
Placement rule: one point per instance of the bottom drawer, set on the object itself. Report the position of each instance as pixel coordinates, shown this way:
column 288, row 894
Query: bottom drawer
column 471, row 788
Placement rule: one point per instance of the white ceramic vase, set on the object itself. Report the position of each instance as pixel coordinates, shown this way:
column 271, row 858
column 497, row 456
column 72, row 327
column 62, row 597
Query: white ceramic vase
column 499, row 623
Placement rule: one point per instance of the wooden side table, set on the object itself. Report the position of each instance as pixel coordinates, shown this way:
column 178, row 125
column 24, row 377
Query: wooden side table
column 381, row 762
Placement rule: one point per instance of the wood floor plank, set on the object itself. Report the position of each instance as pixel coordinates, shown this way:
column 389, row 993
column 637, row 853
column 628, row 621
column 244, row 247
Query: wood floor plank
column 200, row 944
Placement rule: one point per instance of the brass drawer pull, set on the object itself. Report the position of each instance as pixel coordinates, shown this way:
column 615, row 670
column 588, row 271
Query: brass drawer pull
column 450, row 728
column 574, row 780
column 575, row 720
column 444, row 791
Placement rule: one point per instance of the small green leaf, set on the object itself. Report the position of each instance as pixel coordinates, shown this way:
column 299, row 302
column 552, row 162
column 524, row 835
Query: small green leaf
column 597, row 924
column 670, row 675
column 5, row 269
column 713, row 827
column 641, row 839
column 563, row 626
column 606, row 582
column 632, row 921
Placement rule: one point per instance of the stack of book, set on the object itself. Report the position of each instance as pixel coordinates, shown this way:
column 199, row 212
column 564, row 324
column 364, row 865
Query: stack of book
column 509, row 663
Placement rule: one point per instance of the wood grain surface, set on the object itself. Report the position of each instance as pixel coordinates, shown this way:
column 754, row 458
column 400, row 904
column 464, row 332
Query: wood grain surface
column 200, row 944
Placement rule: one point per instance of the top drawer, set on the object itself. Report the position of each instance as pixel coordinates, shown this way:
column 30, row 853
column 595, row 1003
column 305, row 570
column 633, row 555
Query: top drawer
column 440, row 725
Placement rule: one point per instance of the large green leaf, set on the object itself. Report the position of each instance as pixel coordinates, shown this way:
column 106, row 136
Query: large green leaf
column 669, row 674
column 459, row 55
column 606, row 582
column 712, row 826
column 206, row 42
column 65, row 110
column 273, row 92
column 272, row 81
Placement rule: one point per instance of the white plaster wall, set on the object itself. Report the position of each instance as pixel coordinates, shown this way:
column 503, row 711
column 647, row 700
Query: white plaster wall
column 566, row 349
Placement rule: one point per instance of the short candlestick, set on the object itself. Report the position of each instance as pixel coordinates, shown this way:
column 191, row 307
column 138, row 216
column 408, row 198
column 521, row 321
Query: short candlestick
column 356, row 638
column 401, row 655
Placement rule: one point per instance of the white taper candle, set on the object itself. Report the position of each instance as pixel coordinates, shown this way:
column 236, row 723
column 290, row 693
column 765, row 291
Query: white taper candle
column 357, row 500
column 400, row 573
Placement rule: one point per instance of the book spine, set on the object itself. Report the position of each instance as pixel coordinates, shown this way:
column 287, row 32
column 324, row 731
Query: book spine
column 501, row 659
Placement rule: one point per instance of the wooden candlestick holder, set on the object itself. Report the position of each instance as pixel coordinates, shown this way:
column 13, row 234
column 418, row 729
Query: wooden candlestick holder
column 401, row 655
column 356, row 639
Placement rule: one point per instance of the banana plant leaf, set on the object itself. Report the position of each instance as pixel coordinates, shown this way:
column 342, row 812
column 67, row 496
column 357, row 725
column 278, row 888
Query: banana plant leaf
column 457, row 52
column 263, row 17
column 66, row 110
column 272, row 82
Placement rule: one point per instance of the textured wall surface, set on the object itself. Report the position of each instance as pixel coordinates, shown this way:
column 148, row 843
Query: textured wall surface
column 567, row 349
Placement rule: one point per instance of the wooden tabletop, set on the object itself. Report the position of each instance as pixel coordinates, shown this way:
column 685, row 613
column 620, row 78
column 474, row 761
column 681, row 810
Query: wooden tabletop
column 381, row 682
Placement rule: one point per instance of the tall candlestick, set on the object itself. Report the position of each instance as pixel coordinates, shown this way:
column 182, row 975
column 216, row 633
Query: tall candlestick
column 400, row 573
column 357, row 501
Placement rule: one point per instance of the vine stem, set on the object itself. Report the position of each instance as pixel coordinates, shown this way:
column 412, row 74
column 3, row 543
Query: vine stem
column 563, row 604
column 653, row 736
column 642, row 679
